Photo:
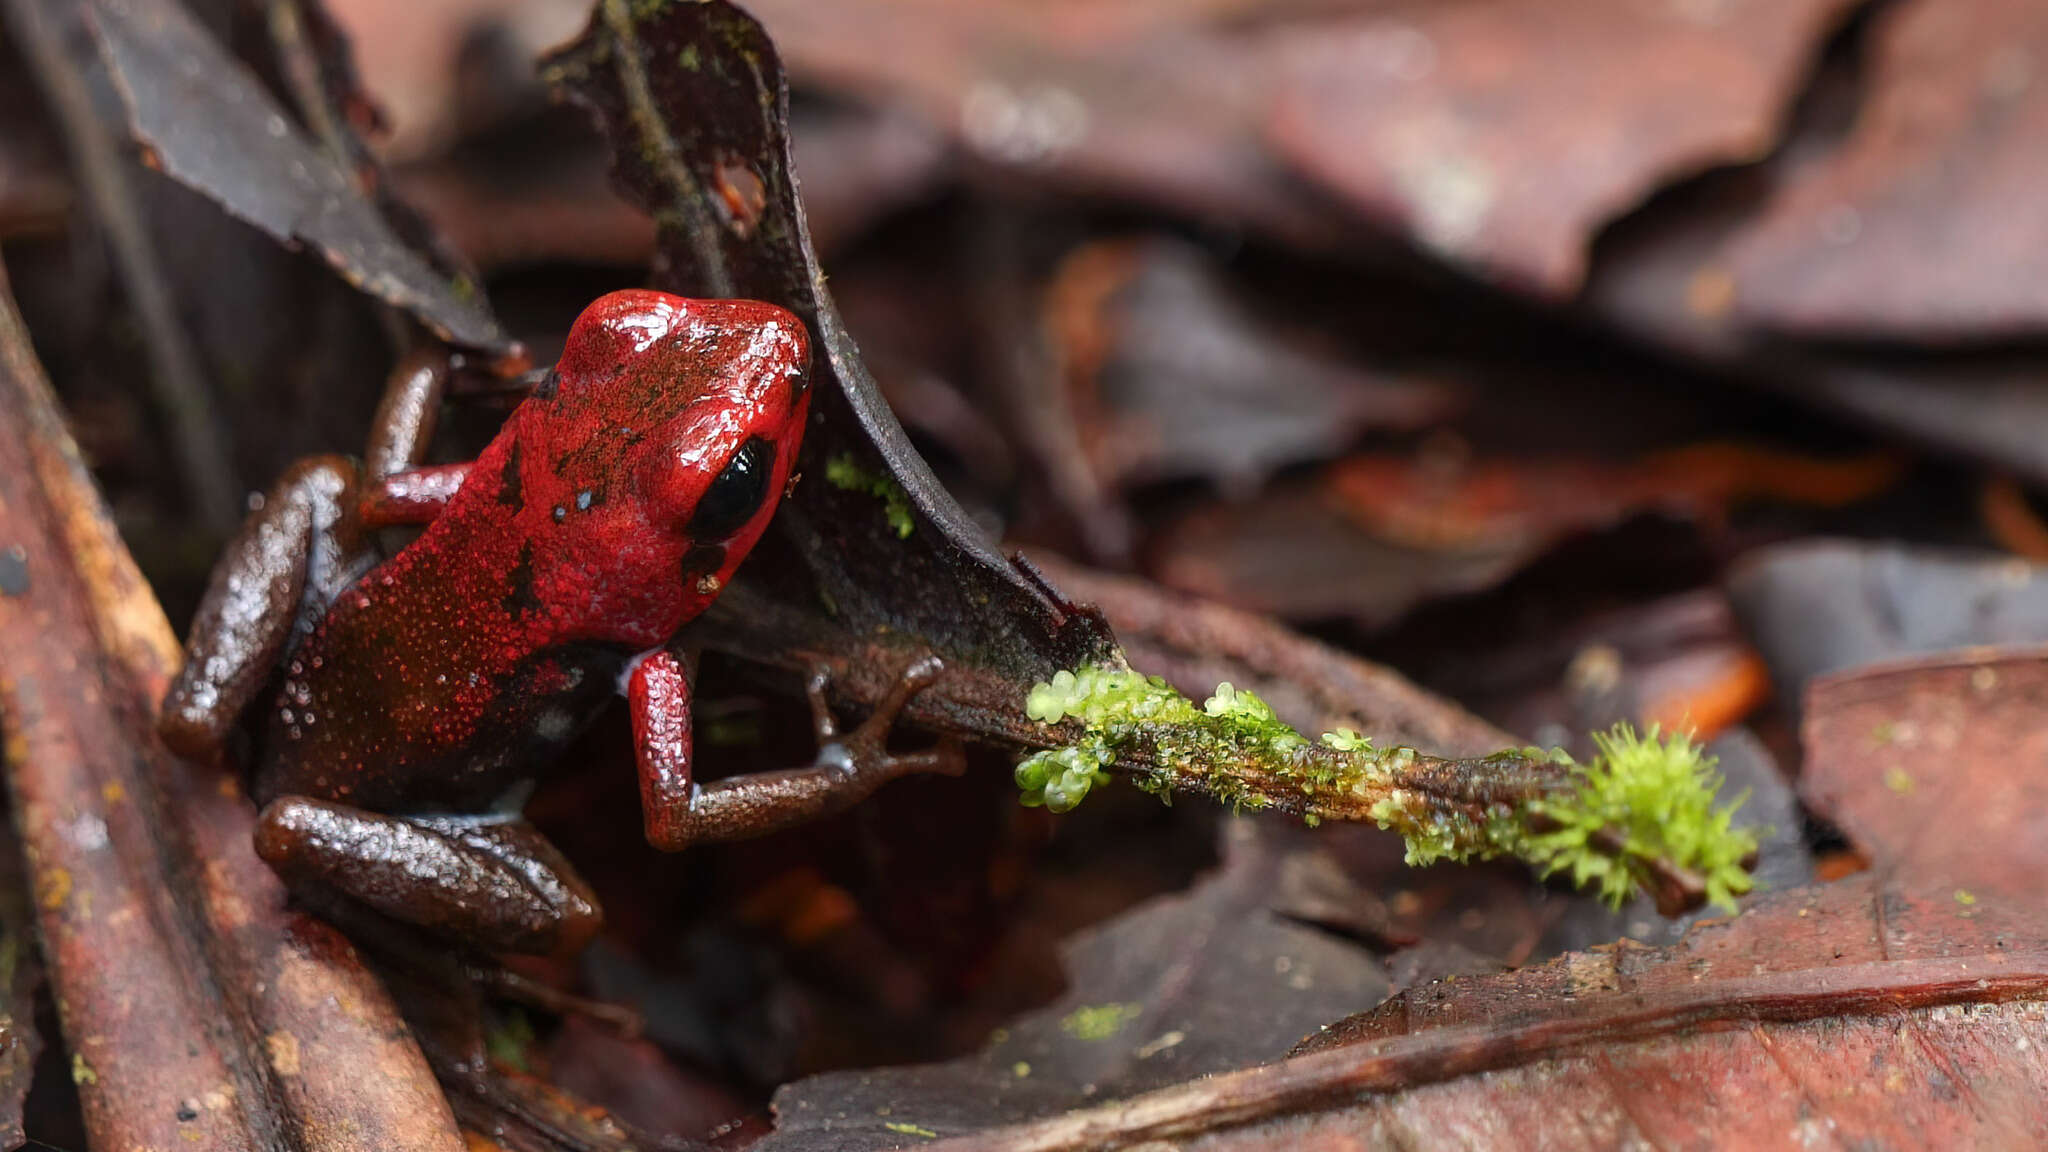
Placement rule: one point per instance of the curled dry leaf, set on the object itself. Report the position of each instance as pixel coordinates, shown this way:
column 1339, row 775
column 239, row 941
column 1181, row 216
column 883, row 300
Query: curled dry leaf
column 1502, row 135
column 1670, row 274
column 199, row 1011
column 1927, row 223
column 207, row 122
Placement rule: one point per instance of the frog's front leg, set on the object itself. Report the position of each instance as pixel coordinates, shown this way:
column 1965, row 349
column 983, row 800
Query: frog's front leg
column 495, row 884
column 398, row 488
column 292, row 556
column 679, row 812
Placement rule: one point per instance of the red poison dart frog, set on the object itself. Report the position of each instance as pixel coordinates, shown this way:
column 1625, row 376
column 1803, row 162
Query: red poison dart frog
column 408, row 701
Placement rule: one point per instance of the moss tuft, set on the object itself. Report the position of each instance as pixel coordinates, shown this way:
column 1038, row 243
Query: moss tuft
column 1653, row 794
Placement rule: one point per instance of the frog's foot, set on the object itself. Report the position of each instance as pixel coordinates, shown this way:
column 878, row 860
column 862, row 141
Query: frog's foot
column 865, row 750
column 498, row 886
column 848, row 769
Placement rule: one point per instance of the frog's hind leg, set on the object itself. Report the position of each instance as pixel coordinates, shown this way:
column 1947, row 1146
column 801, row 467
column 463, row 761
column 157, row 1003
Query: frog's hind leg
column 497, row 885
column 294, row 552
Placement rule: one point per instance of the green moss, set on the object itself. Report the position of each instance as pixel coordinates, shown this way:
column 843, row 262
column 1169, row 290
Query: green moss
column 845, row 473
column 1656, row 795
column 1099, row 1021
column 510, row 1040
column 1643, row 803
column 1125, row 711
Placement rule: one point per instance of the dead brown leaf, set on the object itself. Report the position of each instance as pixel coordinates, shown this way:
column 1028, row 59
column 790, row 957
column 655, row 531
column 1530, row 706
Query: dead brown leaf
column 1502, row 135
column 1928, row 222
column 1934, row 767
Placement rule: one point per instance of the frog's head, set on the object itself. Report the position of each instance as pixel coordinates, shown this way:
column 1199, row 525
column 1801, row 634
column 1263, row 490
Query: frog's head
column 672, row 426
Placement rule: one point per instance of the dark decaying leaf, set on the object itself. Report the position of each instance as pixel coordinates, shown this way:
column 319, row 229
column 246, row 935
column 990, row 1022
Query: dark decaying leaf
column 207, row 122
column 1173, row 373
column 200, row 1012
column 1927, row 223
column 1375, row 535
column 1502, row 135
column 1668, row 274
column 1822, row 606
column 1292, row 552
column 1186, row 985
column 692, row 97
column 1938, row 767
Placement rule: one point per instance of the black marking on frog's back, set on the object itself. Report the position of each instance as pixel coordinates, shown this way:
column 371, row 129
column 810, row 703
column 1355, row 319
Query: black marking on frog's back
column 520, row 599
column 511, row 492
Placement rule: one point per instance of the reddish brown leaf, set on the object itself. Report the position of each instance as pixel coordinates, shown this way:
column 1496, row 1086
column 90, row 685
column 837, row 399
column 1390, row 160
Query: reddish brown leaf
column 1934, row 767
column 1928, row 222
column 1666, row 275
column 1464, row 125
column 1430, row 504
column 1502, row 135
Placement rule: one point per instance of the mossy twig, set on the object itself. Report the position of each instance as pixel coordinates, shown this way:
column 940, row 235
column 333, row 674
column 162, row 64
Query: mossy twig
column 1640, row 815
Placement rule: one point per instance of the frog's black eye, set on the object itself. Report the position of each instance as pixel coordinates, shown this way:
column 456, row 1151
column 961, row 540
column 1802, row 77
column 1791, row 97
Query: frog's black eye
column 737, row 493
